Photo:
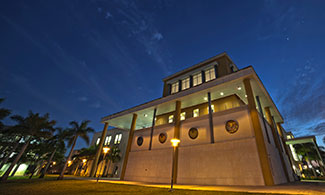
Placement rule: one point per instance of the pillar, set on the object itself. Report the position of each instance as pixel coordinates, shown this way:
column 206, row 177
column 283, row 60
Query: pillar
column 269, row 119
column 99, row 151
column 177, row 127
column 261, row 147
column 152, row 127
column 128, row 147
column 210, row 119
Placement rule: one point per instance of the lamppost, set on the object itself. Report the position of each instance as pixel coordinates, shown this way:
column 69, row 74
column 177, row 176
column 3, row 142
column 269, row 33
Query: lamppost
column 105, row 151
column 175, row 143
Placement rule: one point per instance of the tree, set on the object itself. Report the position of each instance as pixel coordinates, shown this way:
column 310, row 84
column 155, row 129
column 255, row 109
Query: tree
column 35, row 126
column 114, row 157
column 56, row 142
column 3, row 114
column 74, row 132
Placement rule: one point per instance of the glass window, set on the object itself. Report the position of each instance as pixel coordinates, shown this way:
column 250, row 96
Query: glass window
column 118, row 138
column 183, row 116
column 196, row 112
column 108, row 140
column 170, row 118
column 175, row 87
column 186, row 83
column 209, row 74
column 197, row 79
column 98, row 140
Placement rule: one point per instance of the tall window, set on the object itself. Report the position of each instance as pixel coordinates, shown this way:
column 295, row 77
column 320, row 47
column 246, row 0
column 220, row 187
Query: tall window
column 98, row 140
column 209, row 74
column 186, row 83
column 196, row 112
column 118, row 138
column 108, row 140
column 175, row 87
column 183, row 116
column 170, row 118
column 197, row 79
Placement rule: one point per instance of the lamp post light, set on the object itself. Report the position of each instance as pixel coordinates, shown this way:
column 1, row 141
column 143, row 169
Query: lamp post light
column 175, row 143
column 105, row 151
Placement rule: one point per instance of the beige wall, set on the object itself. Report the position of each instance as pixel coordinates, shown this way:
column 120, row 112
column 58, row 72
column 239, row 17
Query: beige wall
column 232, row 160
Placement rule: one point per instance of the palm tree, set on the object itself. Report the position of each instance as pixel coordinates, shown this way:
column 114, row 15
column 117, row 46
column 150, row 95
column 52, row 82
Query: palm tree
column 56, row 142
column 74, row 132
column 35, row 126
column 114, row 157
column 3, row 113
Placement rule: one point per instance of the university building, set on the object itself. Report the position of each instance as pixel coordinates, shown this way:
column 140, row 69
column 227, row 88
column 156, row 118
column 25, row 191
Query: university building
column 229, row 130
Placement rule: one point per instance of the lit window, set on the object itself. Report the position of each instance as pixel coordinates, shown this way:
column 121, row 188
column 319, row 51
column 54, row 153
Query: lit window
column 108, row 140
column 170, row 118
column 118, row 138
column 183, row 116
column 212, row 108
column 197, row 79
column 186, row 83
column 209, row 74
column 196, row 112
column 98, row 140
column 175, row 87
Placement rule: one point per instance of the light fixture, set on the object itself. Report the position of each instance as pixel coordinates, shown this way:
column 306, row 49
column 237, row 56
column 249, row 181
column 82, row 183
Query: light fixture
column 239, row 88
column 205, row 98
column 221, row 93
column 106, row 149
column 84, row 160
column 54, row 163
column 175, row 142
column 245, row 95
column 145, row 115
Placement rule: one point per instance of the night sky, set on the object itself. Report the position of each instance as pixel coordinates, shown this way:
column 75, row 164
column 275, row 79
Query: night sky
column 87, row 59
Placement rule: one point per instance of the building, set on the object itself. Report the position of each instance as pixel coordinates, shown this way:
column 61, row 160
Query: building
column 305, row 156
column 114, row 138
column 229, row 130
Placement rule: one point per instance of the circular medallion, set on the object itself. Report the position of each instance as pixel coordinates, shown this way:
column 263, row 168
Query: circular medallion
column 140, row 141
column 232, row 126
column 162, row 137
column 193, row 133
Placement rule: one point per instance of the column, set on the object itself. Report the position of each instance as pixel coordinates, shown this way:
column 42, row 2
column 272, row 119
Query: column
column 269, row 119
column 261, row 147
column 99, row 151
column 152, row 127
column 210, row 119
column 177, row 127
column 128, row 147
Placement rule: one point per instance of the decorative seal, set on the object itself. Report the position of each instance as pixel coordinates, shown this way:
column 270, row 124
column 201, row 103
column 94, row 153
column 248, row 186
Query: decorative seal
column 162, row 137
column 193, row 133
column 232, row 126
column 140, row 141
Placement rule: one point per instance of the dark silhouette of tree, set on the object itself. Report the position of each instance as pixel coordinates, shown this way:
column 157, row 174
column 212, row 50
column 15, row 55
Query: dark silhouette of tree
column 74, row 132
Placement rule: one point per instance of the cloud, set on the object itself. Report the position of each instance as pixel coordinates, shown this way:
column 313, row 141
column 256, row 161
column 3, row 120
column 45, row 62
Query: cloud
column 95, row 105
column 83, row 99
column 302, row 101
column 157, row 36
column 108, row 15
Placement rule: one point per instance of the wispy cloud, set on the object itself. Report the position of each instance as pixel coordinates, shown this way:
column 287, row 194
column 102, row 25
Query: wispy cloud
column 83, row 99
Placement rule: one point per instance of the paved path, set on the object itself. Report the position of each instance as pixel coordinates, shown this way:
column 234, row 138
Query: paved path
column 290, row 188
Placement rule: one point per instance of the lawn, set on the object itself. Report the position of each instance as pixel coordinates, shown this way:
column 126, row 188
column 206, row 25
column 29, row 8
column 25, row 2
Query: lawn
column 50, row 186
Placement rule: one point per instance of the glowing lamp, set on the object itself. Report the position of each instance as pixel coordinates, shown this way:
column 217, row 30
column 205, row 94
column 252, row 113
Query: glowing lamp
column 175, row 142
column 54, row 163
column 106, row 149
column 84, row 160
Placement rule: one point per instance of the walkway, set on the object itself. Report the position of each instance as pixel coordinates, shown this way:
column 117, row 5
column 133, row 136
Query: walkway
column 306, row 187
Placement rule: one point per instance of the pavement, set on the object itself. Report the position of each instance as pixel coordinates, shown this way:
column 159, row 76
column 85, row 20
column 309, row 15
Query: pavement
column 299, row 187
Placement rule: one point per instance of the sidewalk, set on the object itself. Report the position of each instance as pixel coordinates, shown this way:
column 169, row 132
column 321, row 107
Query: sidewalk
column 290, row 188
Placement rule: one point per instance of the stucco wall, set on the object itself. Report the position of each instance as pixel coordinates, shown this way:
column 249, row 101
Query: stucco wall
column 232, row 160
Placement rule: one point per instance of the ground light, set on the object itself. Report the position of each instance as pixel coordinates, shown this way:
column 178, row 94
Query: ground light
column 175, row 143
column 105, row 151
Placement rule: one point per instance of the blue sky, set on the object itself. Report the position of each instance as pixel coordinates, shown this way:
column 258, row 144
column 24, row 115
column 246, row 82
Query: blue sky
column 86, row 59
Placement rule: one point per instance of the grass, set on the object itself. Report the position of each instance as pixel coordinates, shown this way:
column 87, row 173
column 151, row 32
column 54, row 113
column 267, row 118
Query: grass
column 50, row 186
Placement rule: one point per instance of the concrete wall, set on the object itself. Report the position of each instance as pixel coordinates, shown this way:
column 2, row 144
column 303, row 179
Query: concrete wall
column 231, row 160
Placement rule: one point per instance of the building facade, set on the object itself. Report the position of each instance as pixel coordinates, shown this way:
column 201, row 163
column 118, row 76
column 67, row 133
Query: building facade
column 228, row 126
